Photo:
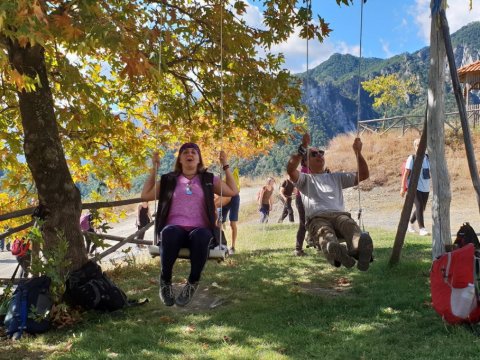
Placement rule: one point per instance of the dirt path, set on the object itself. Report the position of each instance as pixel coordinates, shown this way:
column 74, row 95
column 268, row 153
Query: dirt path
column 381, row 208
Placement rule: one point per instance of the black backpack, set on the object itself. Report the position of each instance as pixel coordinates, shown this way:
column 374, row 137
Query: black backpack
column 29, row 308
column 90, row 288
column 466, row 235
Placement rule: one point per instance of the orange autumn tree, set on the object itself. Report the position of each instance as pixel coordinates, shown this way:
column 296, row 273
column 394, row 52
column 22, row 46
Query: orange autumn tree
column 82, row 82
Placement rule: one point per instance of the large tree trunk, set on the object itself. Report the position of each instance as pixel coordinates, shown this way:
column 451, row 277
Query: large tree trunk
column 45, row 156
column 441, row 194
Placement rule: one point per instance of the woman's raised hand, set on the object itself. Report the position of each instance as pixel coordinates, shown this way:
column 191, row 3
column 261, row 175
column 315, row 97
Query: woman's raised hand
column 223, row 158
column 156, row 160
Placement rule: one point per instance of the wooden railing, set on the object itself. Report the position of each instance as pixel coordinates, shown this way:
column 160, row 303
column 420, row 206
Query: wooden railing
column 415, row 122
column 97, row 205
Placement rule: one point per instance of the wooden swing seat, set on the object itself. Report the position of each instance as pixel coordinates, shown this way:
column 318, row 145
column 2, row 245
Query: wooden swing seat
column 218, row 253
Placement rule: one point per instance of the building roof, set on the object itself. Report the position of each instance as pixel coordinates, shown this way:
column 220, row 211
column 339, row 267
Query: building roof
column 472, row 69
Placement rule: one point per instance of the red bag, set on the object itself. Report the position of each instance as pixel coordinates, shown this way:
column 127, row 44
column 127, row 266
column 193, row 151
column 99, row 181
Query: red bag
column 20, row 247
column 453, row 286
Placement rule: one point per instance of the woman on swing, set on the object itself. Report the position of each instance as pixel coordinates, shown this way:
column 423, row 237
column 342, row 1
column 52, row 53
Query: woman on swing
column 186, row 215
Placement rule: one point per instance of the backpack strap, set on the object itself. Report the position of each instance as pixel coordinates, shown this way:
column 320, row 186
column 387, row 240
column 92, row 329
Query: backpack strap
column 23, row 311
column 447, row 269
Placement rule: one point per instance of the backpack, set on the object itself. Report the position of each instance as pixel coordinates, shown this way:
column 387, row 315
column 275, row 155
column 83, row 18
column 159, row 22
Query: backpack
column 20, row 247
column 466, row 235
column 89, row 288
column 29, row 308
column 453, row 284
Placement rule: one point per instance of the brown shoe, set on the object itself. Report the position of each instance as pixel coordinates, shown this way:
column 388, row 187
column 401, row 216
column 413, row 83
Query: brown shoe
column 365, row 250
column 340, row 254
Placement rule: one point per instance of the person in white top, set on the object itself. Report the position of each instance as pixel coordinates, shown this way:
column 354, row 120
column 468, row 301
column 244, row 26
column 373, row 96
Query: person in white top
column 325, row 213
column 423, row 190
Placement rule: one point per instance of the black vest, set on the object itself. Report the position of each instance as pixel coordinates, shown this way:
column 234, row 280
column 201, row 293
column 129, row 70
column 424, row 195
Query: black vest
column 168, row 182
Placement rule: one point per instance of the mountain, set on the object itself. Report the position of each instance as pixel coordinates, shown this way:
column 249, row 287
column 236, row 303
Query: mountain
column 331, row 93
column 331, row 89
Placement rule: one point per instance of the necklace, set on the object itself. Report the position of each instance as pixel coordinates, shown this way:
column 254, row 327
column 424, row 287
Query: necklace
column 188, row 188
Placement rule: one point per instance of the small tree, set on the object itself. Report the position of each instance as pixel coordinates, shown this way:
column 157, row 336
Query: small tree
column 389, row 91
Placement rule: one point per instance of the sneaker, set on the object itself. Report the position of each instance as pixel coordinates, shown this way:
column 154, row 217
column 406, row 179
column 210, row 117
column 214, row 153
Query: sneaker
column 231, row 251
column 299, row 253
column 423, row 232
column 340, row 253
column 186, row 294
column 365, row 250
column 411, row 229
column 166, row 293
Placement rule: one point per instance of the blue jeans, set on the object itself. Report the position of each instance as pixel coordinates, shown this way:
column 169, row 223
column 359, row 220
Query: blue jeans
column 173, row 238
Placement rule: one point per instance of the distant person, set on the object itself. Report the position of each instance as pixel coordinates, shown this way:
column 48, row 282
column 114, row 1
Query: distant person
column 265, row 200
column 86, row 224
column 286, row 193
column 21, row 249
column 423, row 190
column 143, row 218
column 185, row 216
column 231, row 207
column 322, row 195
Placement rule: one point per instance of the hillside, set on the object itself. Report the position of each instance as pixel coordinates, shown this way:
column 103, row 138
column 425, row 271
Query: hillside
column 380, row 197
column 333, row 86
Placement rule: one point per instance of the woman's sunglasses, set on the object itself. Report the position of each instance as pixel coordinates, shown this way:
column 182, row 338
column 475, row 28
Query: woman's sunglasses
column 316, row 153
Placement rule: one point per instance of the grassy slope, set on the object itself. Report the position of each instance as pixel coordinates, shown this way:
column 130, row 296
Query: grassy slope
column 277, row 307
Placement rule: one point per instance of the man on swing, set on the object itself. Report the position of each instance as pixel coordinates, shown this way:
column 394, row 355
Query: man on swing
column 326, row 217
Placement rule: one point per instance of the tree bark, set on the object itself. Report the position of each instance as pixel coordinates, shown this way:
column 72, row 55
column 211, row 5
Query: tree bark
column 441, row 194
column 45, row 156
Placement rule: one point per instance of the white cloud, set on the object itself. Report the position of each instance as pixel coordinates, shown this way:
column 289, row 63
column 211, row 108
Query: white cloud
column 295, row 51
column 386, row 48
column 253, row 16
column 295, row 48
column 458, row 15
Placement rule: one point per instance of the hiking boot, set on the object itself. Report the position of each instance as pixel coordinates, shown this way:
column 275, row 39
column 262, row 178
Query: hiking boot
column 186, row 294
column 331, row 260
column 166, row 293
column 365, row 250
column 423, row 232
column 299, row 253
column 231, row 251
column 339, row 253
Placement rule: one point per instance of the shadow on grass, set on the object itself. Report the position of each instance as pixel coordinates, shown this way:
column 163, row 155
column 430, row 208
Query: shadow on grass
column 269, row 312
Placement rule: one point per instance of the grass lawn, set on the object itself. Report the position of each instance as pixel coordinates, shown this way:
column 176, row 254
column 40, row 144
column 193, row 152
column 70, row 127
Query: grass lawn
column 271, row 305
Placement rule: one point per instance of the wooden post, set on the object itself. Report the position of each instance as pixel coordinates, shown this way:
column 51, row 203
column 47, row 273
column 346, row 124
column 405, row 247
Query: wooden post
column 441, row 194
column 408, row 204
column 457, row 89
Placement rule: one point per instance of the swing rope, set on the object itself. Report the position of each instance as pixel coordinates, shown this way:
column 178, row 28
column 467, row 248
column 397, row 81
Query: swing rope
column 221, row 122
column 157, row 124
column 359, row 112
column 307, row 163
column 160, row 71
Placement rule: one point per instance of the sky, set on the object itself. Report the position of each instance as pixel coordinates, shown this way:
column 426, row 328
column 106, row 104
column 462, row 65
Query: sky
column 390, row 27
